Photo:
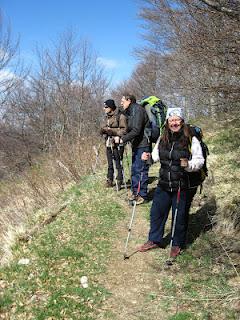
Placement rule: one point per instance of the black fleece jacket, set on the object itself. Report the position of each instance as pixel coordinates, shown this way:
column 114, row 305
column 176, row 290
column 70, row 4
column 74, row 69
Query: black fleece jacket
column 137, row 122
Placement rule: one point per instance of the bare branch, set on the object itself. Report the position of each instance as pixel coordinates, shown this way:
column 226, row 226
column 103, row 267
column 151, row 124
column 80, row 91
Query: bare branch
column 233, row 11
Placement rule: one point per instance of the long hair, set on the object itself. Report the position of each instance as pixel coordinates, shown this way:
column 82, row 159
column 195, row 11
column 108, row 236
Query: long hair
column 165, row 138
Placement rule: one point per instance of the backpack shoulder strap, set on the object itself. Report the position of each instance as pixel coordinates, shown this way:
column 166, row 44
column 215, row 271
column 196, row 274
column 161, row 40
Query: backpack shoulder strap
column 118, row 114
column 191, row 129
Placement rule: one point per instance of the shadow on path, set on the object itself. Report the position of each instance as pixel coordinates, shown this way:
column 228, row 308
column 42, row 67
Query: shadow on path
column 198, row 223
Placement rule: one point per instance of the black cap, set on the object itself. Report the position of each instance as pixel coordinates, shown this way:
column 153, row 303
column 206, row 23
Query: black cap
column 110, row 103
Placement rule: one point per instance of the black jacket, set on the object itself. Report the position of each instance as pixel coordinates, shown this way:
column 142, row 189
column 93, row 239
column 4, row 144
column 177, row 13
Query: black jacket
column 172, row 175
column 137, row 122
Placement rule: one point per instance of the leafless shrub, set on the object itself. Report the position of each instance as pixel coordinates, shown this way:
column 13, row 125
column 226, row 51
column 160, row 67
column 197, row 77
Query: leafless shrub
column 27, row 197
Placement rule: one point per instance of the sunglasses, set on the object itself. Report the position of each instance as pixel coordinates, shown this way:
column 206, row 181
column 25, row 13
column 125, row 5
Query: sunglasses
column 106, row 106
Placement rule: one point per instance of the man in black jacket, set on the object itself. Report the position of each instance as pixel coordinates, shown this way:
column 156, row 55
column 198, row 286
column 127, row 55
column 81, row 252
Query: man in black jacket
column 137, row 122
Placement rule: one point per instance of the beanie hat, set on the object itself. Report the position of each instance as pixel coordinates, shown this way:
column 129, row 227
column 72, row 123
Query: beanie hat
column 110, row 103
column 175, row 112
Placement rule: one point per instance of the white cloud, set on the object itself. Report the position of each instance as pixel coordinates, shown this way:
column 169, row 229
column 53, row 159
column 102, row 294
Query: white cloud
column 108, row 63
column 6, row 75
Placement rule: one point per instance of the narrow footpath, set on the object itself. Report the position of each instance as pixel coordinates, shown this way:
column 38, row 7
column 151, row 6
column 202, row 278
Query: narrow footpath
column 134, row 283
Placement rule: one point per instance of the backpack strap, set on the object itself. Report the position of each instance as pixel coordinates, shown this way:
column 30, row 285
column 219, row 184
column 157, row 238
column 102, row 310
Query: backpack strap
column 118, row 117
column 190, row 144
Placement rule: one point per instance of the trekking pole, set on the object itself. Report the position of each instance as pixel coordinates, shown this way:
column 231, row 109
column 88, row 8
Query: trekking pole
column 169, row 262
column 114, row 163
column 114, row 166
column 123, row 174
column 125, row 256
column 128, row 164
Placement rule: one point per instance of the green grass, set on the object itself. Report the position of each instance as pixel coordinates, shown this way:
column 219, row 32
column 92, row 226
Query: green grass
column 77, row 243
column 183, row 316
column 226, row 141
column 198, row 283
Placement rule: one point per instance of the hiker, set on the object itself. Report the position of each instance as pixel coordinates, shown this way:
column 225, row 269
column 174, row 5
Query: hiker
column 114, row 127
column 173, row 190
column 137, row 121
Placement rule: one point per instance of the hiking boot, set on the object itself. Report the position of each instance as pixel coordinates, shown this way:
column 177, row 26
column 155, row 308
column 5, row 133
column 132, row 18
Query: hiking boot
column 117, row 185
column 175, row 251
column 148, row 246
column 109, row 183
column 131, row 196
column 139, row 200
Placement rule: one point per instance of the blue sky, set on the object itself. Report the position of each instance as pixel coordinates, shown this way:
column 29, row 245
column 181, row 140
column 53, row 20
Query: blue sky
column 111, row 27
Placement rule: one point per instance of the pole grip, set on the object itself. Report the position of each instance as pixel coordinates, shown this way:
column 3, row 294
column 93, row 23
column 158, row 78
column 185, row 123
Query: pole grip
column 178, row 195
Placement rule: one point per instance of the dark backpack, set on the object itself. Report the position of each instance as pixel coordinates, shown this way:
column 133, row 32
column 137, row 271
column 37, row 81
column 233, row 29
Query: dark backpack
column 156, row 111
column 199, row 176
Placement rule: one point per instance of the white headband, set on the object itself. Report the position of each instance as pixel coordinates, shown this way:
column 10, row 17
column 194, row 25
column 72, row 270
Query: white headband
column 175, row 112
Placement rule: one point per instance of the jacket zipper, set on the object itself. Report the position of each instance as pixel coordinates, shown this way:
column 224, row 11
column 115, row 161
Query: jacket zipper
column 170, row 163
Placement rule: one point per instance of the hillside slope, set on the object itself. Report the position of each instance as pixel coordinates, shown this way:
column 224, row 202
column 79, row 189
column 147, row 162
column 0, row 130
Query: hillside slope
column 88, row 238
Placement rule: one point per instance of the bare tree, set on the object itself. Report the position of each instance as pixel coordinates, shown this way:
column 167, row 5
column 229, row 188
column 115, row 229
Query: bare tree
column 11, row 70
column 230, row 8
column 58, row 105
column 73, row 76
column 196, row 55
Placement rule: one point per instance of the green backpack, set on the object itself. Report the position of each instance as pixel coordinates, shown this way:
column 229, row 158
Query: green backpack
column 156, row 111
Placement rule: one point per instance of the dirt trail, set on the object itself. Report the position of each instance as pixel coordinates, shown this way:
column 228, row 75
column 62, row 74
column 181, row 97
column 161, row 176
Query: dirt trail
column 133, row 281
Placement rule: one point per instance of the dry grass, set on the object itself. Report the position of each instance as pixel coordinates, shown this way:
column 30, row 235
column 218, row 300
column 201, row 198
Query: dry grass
column 223, row 138
column 29, row 198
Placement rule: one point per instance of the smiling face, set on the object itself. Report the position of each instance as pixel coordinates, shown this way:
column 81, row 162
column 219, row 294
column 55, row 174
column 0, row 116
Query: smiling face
column 175, row 123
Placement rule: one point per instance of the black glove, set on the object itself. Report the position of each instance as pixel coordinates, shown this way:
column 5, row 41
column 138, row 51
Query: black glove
column 109, row 132
column 103, row 130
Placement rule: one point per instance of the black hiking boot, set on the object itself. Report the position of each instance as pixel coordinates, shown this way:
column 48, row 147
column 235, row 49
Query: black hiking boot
column 109, row 183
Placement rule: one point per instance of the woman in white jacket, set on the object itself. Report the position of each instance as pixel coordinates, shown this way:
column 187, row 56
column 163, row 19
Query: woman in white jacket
column 180, row 155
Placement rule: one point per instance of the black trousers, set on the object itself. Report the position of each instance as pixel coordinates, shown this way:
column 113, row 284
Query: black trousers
column 115, row 154
column 163, row 201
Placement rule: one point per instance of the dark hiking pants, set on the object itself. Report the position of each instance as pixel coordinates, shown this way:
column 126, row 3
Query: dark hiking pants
column 114, row 154
column 140, row 170
column 163, row 201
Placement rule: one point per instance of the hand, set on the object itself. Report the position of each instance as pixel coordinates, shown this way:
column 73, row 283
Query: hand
column 145, row 156
column 103, row 130
column 109, row 132
column 184, row 162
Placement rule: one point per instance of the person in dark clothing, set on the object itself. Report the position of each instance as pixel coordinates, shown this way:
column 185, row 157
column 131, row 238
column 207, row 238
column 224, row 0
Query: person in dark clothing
column 137, row 122
column 115, row 126
column 179, row 154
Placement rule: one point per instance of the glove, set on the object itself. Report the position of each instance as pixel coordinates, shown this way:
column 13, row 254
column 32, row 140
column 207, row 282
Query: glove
column 109, row 132
column 103, row 130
